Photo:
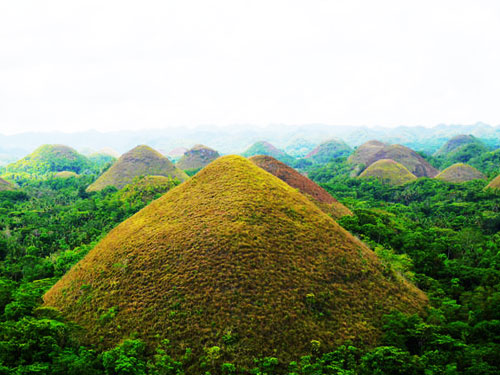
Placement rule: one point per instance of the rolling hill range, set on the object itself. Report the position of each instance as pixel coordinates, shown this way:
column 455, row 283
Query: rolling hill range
column 374, row 151
column 460, row 172
column 50, row 158
column 215, row 262
column 197, row 157
column 329, row 150
column 265, row 148
column 140, row 161
column 293, row 178
column 388, row 172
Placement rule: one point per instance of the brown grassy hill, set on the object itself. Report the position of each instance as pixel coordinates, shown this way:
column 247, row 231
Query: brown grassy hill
column 364, row 154
column 197, row 157
column 293, row 178
column 460, row 172
column 140, row 161
column 494, row 184
column 388, row 172
column 65, row 174
column 5, row 185
column 372, row 151
column 232, row 251
column 457, row 142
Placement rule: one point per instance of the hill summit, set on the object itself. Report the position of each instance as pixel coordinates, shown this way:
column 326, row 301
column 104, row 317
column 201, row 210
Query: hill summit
column 293, row 178
column 140, row 161
column 50, row 158
column 266, row 148
column 329, row 150
column 197, row 157
column 388, row 172
column 235, row 258
column 372, row 151
column 460, row 172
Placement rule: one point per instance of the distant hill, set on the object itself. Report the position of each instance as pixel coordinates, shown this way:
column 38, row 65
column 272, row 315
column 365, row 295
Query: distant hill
column 388, row 172
column 299, row 147
column 197, row 157
column 146, row 188
column 5, row 185
column 329, row 150
column 50, row 158
column 365, row 153
column 293, row 178
column 494, row 184
column 460, row 172
column 216, row 262
column 457, row 142
column 101, row 159
column 65, row 174
column 265, row 148
column 140, row 161
column 372, row 151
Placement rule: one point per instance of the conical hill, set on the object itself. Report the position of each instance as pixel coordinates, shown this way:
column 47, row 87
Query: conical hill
column 266, row 148
column 293, row 178
column 372, row 151
column 329, row 150
column 388, row 172
column 457, row 142
column 140, row 161
column 460, row 172
column 197, row 157
column 232, row 252
column 50, row 158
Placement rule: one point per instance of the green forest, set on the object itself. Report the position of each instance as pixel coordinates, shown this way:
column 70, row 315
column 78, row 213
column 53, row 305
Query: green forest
column 443, row 237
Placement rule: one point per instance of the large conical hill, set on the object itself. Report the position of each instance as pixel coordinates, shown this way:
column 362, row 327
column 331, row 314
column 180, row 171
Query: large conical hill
column 388, row 172
column 232, row 252
column 197, row 157
column 140, row 161
column 460, row 172
column 329, row 150
column 293, row 178
column 50, row 158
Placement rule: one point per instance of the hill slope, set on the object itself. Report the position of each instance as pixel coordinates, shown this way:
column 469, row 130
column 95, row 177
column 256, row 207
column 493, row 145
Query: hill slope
column 460, row 172
column 197, row 157
column 453, row 144
column 50, row 158
column 329, row 150
column 494, row 184
column 215, row 257
column 265, row 148
column 5, row 185
column 293, row 178
column 140, row 161
column 388, row 172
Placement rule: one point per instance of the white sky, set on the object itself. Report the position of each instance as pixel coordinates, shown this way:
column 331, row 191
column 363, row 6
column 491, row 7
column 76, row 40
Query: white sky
column 110, row 65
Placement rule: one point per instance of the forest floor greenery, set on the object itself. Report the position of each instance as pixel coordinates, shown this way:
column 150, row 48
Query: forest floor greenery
column 445, row 237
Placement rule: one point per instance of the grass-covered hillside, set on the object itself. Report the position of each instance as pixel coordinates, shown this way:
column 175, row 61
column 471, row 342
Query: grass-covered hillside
column 389, row 172
column 329, row 150
column 50, row 158
column 293, row 178
column 454, row 144
column 216, row 263
column 197, row 157
column 140, row 161
column 266, row 148
column 5, row 185
column 494, row 184
column 460, row 172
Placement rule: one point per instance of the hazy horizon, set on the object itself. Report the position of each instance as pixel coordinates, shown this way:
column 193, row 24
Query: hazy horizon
column 74, row 66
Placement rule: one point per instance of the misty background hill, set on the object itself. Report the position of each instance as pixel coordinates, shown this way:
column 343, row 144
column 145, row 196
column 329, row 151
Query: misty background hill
column 236, row 139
